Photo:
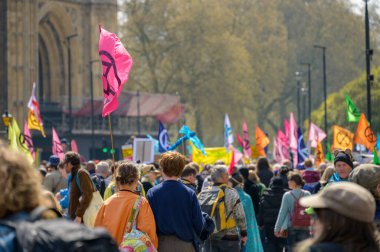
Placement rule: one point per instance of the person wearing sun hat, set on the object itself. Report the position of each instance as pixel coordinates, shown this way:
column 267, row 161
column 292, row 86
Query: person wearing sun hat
column 343, row 163
column 342, row 220
column 368, row 176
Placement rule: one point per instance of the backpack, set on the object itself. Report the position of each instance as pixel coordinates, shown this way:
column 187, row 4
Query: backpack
column 212, row 202
column 134, row 240
column 299, row 218
column 59, row 235
column 100, row 183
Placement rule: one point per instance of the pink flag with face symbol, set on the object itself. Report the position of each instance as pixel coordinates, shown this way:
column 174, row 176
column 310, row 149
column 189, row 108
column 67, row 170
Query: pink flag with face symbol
column 116, row 63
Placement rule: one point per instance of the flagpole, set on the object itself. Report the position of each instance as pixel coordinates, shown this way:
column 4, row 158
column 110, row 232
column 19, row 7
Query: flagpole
column 111, row 136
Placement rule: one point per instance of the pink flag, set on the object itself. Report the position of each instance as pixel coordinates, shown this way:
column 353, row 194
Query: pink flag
column 293, row 135
column 238, row 155
column 277, row 155
column 283, row 145
column 246, row 146
column 28, row 140
column 315, row 135
column 57, row 147
column 117, row 64
column 74, row 146
column 287, row 128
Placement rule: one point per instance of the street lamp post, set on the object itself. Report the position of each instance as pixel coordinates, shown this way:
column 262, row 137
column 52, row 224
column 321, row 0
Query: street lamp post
column 69, row 79
column 309, row 88
column 92, row 154
column 324, row 84
column 368, row 55
column 298, row 79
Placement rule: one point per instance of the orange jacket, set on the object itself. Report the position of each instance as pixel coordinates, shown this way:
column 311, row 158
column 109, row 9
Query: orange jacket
column 115, row 212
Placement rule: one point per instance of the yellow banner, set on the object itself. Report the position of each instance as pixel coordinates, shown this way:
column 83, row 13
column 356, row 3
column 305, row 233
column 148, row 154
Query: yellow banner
column 17, row 141
column 212, row 155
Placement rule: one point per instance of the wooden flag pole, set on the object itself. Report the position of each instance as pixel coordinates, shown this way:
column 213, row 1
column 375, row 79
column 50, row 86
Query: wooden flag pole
column 111, row 136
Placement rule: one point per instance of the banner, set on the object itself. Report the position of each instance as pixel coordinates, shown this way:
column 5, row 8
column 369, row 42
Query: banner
column 17, row 140
column 117, row 64
column 212, row 155
column 315, row 135
column 163, row 138
column 364, row 134
column 143, row 150
column 57, row 147
column 228, row 137
column 353, row 113
column 246, row 146
column 342, row 138
column 262, row 141
column 34, row 115
column 28, row 140
column 127, row 152
column 319, row 156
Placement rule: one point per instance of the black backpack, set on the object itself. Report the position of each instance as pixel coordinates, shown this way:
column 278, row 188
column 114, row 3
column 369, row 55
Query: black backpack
column 59, row 235
column 100, row 183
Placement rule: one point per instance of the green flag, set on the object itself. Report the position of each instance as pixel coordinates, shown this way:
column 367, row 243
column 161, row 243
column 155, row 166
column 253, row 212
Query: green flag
column 329, row 155
column 376, row 160
column 353, row 113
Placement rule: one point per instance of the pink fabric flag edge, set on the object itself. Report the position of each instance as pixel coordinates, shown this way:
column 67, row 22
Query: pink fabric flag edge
column 57, row 147
column 28, row 140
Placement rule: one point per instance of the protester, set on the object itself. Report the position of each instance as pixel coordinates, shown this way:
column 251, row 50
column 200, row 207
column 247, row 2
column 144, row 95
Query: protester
column 343, row 220
column 368, row 176
column 269, row 208
column 284, row 223
column 283, row 174
column 322, row 167
column 148, row 173
column 53, row 180
column 188, row 177
column 175, row 207
column 343, row 165
column 116, row 210
column 51, row 201
column 252, row 188
column 310, row 175
column 253, row 242
column 264, row 171
column 328, row 172
column 91, row 167
column 80, row 194
column 102, row 171
column 287, row 163
column 231, row 227
column 201, row 177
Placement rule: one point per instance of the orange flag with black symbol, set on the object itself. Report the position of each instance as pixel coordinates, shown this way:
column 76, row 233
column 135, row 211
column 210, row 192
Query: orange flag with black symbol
column 342, row 138
column 262, row 141
column 319, row 156
column 364, row 134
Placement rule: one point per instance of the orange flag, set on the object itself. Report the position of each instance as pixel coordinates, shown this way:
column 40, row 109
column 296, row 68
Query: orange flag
column 319, row 156
column 342, row 138
column 261, row 141
column 364, row 134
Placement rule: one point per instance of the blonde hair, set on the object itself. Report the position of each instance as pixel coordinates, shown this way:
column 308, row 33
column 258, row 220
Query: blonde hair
column 21, row 185
column 51, row 201
column 329, row 171
column 252, row 176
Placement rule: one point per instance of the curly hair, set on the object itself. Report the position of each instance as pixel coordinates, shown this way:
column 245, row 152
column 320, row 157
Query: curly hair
column 21, row 186
column 127, row 173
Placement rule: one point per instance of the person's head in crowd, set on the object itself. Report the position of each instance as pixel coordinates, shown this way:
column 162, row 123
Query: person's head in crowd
column 219, row 174
column 21, row 189
column 262, row 164
column 277, row 183
column 53, row 163
column 343, row 216
column 322, row 167
column 284, row 170
column 51, row 201
column 71, row 161
column 172, row 164
column 276, row 168
column 149, row 171
column 193, row 165
column 295, row 180
column 42, row 170
column 204, row 173
column 287, row 163
column 189, row 173
column 127, row 174
column 367, row 176
column 236, row 180
column 103, row 169
column 91, row 167
column 244, row 172
column 253, row 177
column 343, row 163
column 62, row 170
column 219, row 162
column 251, row 167
column 64, row 144
column 326, row 175
column 308, row 163
column 207, row 168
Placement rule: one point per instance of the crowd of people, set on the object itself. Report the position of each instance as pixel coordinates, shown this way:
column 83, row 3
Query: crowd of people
column 178, row 205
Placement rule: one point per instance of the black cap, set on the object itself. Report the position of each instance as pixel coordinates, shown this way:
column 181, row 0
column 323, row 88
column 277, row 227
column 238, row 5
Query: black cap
column 344, row 157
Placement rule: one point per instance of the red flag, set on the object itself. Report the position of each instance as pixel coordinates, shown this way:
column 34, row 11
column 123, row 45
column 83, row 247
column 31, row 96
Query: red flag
column 117, row 64
column 283, row 145
column 232, row 164
column 74, row 146
column 57, row 147
column 287, row 128
column 28, row 140
column 246, row 146
column 240, row 140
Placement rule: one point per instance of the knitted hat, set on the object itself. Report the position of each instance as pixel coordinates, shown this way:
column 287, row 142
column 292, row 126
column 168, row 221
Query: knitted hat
column 345, row 198
column 366, row 175
column 343, row 157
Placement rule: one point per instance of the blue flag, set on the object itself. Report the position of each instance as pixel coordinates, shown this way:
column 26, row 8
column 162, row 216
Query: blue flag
column 188, row 135
column 163, row 139
column 303, row 152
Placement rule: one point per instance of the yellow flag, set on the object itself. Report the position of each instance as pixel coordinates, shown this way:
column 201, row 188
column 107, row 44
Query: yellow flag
column 34, row 124
column 319, row 156
column 364, row 134
column 212, row 155
column 17, row 141
column 342, row 138
column 255, row 152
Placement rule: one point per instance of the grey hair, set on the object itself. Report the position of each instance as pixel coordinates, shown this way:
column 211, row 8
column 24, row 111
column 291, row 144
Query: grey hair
column 217, row 172
column 102, row 167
